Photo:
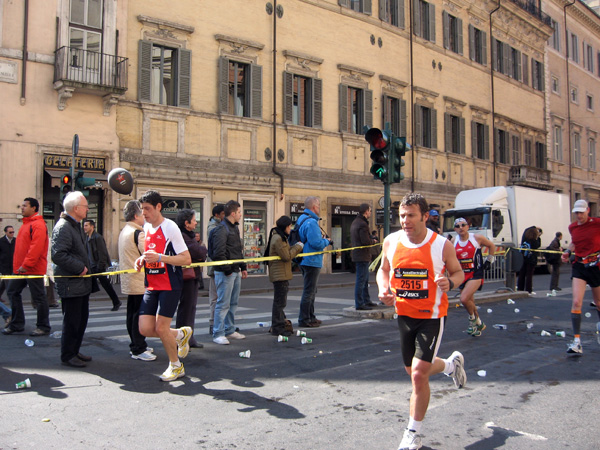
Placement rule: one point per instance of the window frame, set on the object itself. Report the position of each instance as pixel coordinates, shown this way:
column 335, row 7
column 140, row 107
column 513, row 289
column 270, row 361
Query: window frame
column 424, row 20
column 453, row 33
column 480, row 141
column 502, row 146
column 364, row 106
column 314, row 100
column 394, row 113
column 477, row 45
column 252, row 85
column 426, row 126
column 454, row 134
column 392, row 12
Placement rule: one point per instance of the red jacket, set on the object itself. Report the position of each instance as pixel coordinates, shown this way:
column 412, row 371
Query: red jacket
column 31, row 248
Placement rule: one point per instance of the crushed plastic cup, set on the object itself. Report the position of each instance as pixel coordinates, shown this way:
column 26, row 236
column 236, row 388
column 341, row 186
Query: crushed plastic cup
column 306, row 340
column 517, row 310
column 24, row 384
column 281, row 338
column 489, row 311
column 500, row 326
column 561, row 334
column 545, row 333
column 510, row 301
column 588, row 315
column 481, row 373
column 300, row 333
column 29, row 343
column 245, row 354
column 56, row 334
column 554, row 292
column 529, row 326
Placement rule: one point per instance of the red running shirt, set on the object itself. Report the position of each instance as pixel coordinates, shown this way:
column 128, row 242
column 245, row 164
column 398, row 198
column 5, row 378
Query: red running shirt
column 165, row 239
column 586, row 237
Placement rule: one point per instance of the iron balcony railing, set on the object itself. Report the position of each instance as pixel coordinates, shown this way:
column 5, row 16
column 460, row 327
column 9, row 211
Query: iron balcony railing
column 90, row 68
column 533, row 7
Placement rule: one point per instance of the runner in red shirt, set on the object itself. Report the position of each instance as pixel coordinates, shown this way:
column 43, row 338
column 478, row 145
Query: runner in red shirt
column 165, row 253
column 585, row 243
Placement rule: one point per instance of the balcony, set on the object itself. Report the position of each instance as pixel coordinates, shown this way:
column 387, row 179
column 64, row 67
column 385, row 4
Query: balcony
column 94, row 73
column 533, row 7
column 531, row 177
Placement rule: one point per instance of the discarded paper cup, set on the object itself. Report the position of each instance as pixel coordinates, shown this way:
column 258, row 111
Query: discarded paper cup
column 529, row 325
column 281, row 338
column 510, row 301
column 29, row 343
column 245, row 354
column 517, row 310
column 500, row 326
column 489, row 311
column 481, row 373
column 24, row 384
column 545, row 333
column 300, row 333
column 306, row 340
column 561, row 334
column 588, row 315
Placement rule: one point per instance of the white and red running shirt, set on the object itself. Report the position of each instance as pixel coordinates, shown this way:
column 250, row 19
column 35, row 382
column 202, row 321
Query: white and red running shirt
column 470, row 257
column 167, row 240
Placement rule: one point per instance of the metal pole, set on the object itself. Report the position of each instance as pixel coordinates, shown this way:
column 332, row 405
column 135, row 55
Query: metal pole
column 386, row 209
column 75, row 150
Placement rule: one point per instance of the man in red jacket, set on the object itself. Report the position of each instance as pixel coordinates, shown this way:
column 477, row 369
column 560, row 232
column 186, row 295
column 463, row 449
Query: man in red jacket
column 30, row 258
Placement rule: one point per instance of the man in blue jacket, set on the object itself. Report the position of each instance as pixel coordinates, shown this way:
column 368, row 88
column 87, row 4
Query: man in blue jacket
column 313, row 239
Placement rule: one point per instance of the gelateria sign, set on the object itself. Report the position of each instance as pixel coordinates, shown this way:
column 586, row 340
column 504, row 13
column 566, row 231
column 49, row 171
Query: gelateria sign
column 81, row 163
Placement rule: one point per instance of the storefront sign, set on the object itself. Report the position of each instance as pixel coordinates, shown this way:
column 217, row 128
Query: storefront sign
column 345, row 210
column 379, row 216
column 81, row 163
column 253, row 214
column 296, row 208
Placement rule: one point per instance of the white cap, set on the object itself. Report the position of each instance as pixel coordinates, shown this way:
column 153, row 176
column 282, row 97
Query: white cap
column 460, row 220
column 580, row 206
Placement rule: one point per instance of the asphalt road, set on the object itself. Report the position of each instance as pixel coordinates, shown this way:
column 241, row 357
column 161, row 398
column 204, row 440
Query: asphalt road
column 347, row 389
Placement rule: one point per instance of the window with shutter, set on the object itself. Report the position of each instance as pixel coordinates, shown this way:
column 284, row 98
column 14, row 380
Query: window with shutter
column 302, row 101
column 356, row 109
column 392, row 12
column 184, row 75
column 255, row 83
column 240, row 88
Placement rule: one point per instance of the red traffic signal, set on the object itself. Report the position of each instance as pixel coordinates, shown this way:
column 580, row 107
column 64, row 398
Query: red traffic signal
column 66, row 179
column 376, row 138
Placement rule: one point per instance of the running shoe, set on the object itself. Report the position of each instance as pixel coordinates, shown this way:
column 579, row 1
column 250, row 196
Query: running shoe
column 172, row 373
column 183, row 346
column 236, row 335
column 410, row 441
column 222, row 340
column 458, row 375
column 474, row 329
column 575, row 348
column 145, row 356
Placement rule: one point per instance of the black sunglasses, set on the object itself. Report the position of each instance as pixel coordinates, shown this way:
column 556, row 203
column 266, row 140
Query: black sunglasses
column 460, row 225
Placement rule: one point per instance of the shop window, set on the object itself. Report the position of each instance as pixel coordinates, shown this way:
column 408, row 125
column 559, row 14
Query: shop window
column 172, row 206
column 255, row 234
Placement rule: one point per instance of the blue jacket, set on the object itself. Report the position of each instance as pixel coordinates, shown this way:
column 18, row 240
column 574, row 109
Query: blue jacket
column 312, row 238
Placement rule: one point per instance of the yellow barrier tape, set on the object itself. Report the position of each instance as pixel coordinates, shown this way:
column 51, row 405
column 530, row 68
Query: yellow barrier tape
column 200, row 264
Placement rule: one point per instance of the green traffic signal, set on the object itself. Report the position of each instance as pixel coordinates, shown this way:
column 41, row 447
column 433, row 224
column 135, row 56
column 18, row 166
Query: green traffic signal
column 399, row 149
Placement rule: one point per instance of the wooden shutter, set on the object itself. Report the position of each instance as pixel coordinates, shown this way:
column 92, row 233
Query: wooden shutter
column 461, row 123
column 403, row 118
column 447, row 133
column 288, row 97
column 385, row 109
column 317, row 104
column 184, row 78
column 534, row 74
column 525, row 70
column 509, row 62
column 505, row 58
column 145, row 71
column 494, row 55
column 484, row 48
column 383, row 10
column 518, row 61
column 367, row 9
column 433, row 128
column 471, row 43
column 486, row 142
column 418, row 112
column 223, row 86
column 473, row 139
column 459, row 37
column 446, row 29
column 368, row 111
column 417, row 18
column 542, row 77
column 256, row 95
column 343, row 107
column 431, row 22
column 497, row 145
column 400, row 12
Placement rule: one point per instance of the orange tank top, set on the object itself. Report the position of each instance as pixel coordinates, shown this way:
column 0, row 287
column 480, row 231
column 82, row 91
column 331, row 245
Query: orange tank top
column 415, row 267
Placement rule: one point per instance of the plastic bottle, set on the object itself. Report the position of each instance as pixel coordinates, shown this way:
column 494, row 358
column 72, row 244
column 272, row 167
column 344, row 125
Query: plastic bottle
column 500, row 326
column 29, row 343
column 56, row 334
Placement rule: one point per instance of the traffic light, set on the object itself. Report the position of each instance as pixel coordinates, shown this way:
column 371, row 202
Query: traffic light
column 81, row 183
column 380, row 154
column 399, row 149
column 65, row 185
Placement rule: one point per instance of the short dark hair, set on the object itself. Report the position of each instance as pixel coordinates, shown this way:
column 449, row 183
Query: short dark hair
column 152, row 197
column 363, row 208
column 33, row 203
column 558, row 234
column 230, row 207
column 90, row 221
column 7, row 227
column 218, row 209
column 183, row 216
column 415, row 199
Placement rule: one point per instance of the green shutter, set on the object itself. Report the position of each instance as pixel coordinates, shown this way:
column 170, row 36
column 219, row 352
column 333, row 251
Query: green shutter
column 343, row 107
column 184, row 78
column 471, row 43
column 446, row 29
column 256, row 96
column 418, row 112
column 431, row 22
column 367, row 9
column 417, row 17
column 145, row 71
column 223, row 86
column 434, row 128
column 368, row 112
column 459, row 30
column 461, row 122
column 484, row 48
column 383, row 8
column 486, row 142
column 288, row 97
column 447, row 133
column 473, row 139
column 317, row 103
column 403, row 118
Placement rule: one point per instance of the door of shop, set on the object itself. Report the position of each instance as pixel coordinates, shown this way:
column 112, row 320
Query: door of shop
column 342, row 217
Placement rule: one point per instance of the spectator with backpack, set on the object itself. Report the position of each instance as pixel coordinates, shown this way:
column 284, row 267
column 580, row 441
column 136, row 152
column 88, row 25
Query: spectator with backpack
column 314, row 240
column 554, row 260
column 280, row 272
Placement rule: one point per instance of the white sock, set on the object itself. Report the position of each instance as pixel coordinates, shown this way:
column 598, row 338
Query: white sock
column 448, row 366
column 414, row 425
column 471, row 316
column 179, row 334
column 577, row 340
column 176, row 364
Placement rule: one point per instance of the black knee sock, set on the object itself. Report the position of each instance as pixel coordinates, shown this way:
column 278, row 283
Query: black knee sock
column 598, row 311
column 576, row 321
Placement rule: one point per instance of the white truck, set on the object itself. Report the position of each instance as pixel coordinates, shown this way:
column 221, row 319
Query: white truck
column 502, row 213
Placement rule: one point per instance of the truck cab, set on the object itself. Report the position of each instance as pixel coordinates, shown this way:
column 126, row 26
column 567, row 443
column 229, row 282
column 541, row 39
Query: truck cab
column 494, row 223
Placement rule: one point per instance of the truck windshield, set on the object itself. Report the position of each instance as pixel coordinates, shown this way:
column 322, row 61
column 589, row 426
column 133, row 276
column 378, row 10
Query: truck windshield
column 478, row 219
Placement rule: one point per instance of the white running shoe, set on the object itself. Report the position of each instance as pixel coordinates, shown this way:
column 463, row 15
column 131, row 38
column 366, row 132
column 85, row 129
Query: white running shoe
column 410, row 441
column 575, row 348
column 236, row 335
column 222, row 340
column 459, row 375
column 145, row 356
column 172, row 373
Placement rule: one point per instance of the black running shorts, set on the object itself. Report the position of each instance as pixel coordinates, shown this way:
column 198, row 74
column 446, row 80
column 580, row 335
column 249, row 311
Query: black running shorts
column 591, row 275
column 420, row 338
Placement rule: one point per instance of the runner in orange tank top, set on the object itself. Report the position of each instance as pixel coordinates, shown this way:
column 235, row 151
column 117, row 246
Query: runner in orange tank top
column 413, row 277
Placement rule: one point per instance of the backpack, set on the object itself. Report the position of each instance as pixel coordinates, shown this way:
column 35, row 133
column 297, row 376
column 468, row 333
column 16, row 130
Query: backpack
column 294, row 237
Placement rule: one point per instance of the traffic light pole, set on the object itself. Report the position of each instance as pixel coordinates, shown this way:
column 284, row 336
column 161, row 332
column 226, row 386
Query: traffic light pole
column 386, row 209
column 75, row 150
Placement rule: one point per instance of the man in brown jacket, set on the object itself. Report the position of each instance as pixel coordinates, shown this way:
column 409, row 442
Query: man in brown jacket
column 359, row 232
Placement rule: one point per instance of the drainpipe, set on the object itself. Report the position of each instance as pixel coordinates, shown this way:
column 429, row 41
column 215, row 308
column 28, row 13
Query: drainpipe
column 24, row 70
column 568, row 105
column 412, row 96
column 279, row 174
column 493, row 98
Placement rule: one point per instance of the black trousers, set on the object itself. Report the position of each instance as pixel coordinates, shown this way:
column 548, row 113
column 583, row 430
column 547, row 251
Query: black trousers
column 186, row 311
column 138, row 341
column 38, row 298
column 280, row 292
column 75, row 318
column 554, row 276
column 105, row 282
column 525, row 280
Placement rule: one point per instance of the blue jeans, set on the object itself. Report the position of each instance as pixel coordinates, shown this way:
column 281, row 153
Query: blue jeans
column 361, row 288
column 228, row 294
column 307, row 302
column 5, row 311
